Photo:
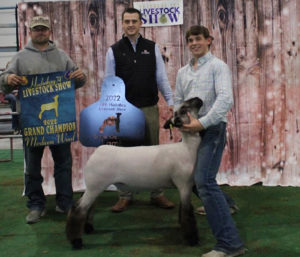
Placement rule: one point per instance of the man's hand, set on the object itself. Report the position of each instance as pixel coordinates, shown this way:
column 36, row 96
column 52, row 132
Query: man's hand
column 78, row 74
column 193, row 126
column 14, row 80
column 170, row 111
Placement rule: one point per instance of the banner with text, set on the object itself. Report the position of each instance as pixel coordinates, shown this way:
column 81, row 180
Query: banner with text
column 161, row 13
column 48, row 114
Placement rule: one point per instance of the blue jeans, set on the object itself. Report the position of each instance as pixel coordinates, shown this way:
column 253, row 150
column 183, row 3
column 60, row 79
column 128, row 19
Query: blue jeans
column 217, row 209
column 228, row 198
column 62, row 157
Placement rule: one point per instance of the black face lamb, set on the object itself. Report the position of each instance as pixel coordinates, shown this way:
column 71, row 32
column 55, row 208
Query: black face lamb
column 141, row 168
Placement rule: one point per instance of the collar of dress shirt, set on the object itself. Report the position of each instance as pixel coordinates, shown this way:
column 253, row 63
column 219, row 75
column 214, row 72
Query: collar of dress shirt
column 203, row 59
column 133, row 43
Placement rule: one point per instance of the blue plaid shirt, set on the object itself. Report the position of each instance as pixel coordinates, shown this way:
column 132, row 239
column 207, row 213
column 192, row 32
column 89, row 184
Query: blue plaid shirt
column 211, row 82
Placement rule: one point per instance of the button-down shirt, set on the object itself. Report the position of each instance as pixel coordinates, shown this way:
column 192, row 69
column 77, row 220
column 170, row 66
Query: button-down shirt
column 211, row 82
column 161, row 75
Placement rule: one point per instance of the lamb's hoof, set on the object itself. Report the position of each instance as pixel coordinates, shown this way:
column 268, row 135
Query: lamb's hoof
column 77, row 244
column 88, row 228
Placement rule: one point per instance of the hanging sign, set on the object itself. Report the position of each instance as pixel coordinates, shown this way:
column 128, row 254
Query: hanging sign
column 47, row 109
column 160, row 13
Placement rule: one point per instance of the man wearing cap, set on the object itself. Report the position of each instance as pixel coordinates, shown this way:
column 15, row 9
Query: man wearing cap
column 41, row 55
column 209, row 78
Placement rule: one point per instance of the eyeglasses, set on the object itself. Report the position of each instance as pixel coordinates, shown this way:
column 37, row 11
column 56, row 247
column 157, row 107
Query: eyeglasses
column 40, row 28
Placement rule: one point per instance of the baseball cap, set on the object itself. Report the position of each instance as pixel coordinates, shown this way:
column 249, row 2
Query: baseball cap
column 40, row 21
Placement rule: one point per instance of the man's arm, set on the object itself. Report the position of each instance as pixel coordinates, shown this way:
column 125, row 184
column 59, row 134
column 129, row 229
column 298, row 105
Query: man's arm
column 9, row 79
column 178, row 95
column 162, row 78
column 110, row 64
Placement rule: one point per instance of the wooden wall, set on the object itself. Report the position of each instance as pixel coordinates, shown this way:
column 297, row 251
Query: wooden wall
column 258, row 39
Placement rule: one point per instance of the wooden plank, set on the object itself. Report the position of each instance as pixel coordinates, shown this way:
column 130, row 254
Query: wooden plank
column 258, row 39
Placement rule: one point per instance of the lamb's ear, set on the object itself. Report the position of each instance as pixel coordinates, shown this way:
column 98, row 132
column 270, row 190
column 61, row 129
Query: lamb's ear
column 195, row 102
column 168, row 124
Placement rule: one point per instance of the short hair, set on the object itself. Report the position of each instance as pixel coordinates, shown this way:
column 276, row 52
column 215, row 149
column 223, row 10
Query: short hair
column 132, row 10
column 197, row 30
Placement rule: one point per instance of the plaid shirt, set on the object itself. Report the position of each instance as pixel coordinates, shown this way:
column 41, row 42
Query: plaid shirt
column 211, row 82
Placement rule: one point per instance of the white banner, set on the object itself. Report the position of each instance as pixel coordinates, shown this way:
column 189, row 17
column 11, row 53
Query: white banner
column 161, row 13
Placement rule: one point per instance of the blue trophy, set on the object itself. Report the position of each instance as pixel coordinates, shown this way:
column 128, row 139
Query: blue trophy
column 112, row 118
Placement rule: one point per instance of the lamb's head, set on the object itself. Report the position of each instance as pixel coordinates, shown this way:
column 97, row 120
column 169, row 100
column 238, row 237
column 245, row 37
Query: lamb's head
column 192, row 106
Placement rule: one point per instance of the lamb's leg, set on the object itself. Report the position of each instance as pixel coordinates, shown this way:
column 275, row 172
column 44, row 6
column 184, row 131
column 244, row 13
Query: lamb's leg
column 88, row 226
column 77, row 218
column 187, row 218
column 74, row 227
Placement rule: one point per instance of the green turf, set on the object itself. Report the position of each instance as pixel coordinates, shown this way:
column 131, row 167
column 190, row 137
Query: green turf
column 269, row 223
